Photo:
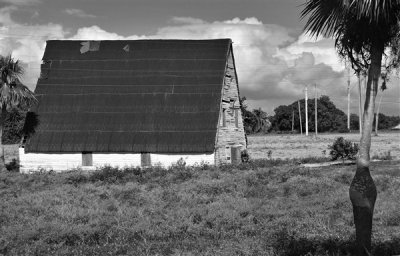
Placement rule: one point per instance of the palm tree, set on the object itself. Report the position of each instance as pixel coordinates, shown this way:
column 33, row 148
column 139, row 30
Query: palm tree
column 13, row 94
column 261, row 122
column 363, row 30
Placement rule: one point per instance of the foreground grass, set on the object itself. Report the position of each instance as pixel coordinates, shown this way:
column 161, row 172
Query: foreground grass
column 259, row 209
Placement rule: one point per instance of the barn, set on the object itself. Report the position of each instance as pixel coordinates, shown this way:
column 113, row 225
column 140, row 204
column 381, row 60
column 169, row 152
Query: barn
column 136, row 102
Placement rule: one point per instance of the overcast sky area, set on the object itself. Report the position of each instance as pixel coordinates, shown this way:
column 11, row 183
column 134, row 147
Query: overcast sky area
column 275, row 60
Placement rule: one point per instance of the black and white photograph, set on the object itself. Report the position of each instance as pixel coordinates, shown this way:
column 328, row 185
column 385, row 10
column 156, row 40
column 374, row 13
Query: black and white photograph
column 200, row 127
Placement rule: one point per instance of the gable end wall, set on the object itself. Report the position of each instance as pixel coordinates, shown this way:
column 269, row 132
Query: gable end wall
column 230, row 135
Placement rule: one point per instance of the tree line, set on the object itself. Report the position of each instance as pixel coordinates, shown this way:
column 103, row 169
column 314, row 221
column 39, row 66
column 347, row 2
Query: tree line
column 287, row 119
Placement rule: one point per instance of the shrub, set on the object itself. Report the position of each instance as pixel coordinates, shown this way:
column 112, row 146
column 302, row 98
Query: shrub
column 76, row 177
column 344, row 149
column 13, row 166
column 180, row 164
column 244, row 155
column 107, row 174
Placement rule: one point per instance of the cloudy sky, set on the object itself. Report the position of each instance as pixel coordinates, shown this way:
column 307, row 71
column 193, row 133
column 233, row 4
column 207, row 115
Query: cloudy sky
column 275, row 60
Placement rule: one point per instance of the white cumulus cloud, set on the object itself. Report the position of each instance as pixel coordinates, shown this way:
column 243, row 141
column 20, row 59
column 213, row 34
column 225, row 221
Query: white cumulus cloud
column 186, row 20
column 26, row 42
column 79, row 13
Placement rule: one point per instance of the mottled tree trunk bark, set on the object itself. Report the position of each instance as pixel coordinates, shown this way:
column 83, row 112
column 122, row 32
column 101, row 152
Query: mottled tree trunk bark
column 377, row 115
column 362, row 189
column 2, row 161
column 360, row 112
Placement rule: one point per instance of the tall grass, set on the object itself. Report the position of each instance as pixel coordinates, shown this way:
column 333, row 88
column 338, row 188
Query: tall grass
column 254, row 209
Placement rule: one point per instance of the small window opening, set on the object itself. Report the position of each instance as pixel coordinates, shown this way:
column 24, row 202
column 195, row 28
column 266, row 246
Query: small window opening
column 223, row 117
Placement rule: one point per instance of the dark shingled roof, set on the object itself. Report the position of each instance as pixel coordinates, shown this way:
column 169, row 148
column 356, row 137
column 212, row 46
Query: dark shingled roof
column 154, row 96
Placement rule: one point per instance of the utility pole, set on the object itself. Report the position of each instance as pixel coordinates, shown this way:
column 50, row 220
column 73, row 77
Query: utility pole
column 348, row 98
column 292, row 119
column 306, row 110
column 301, row 128
column 316, row 113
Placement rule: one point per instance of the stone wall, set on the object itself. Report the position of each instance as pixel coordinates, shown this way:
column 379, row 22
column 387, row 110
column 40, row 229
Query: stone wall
column 230, row 133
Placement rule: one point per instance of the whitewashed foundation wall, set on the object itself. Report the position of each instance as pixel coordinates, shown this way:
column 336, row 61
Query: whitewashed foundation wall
column 61, row 162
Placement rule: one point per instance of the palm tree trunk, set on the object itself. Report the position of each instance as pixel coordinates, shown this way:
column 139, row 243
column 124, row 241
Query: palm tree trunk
column 2, row 161
column 360, row 112
column 362, row 189
column 377, row 115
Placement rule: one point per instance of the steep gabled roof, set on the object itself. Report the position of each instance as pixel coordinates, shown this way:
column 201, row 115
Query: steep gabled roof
column 155, row 96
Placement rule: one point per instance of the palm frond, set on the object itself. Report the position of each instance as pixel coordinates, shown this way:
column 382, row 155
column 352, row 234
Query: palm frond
column 355, row 25
column 375, row 10
column 16, row 96
column 10, row 70
column 325, row 16
column 13, row 94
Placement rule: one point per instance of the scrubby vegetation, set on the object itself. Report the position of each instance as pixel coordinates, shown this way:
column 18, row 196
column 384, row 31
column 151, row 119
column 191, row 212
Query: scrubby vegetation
column 343, row 149
column 259, row 208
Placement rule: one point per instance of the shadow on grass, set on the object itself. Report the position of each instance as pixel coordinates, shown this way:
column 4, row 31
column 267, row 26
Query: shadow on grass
column 139, row 243
column 97, row 241
column 286, row 244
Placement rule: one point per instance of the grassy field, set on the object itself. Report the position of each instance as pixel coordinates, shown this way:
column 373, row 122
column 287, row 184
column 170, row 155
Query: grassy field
column 297, row 146
column 262, row 208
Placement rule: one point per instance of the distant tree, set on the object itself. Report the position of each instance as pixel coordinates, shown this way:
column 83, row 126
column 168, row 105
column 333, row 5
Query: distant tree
column 354, row 122
column 247, row 116
column 384, row 122
column 262, row 124
column 254, row 121
column 282, row 120
column 330, row 118
column 387, row 122
column 13, row 95
column 383, row 87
